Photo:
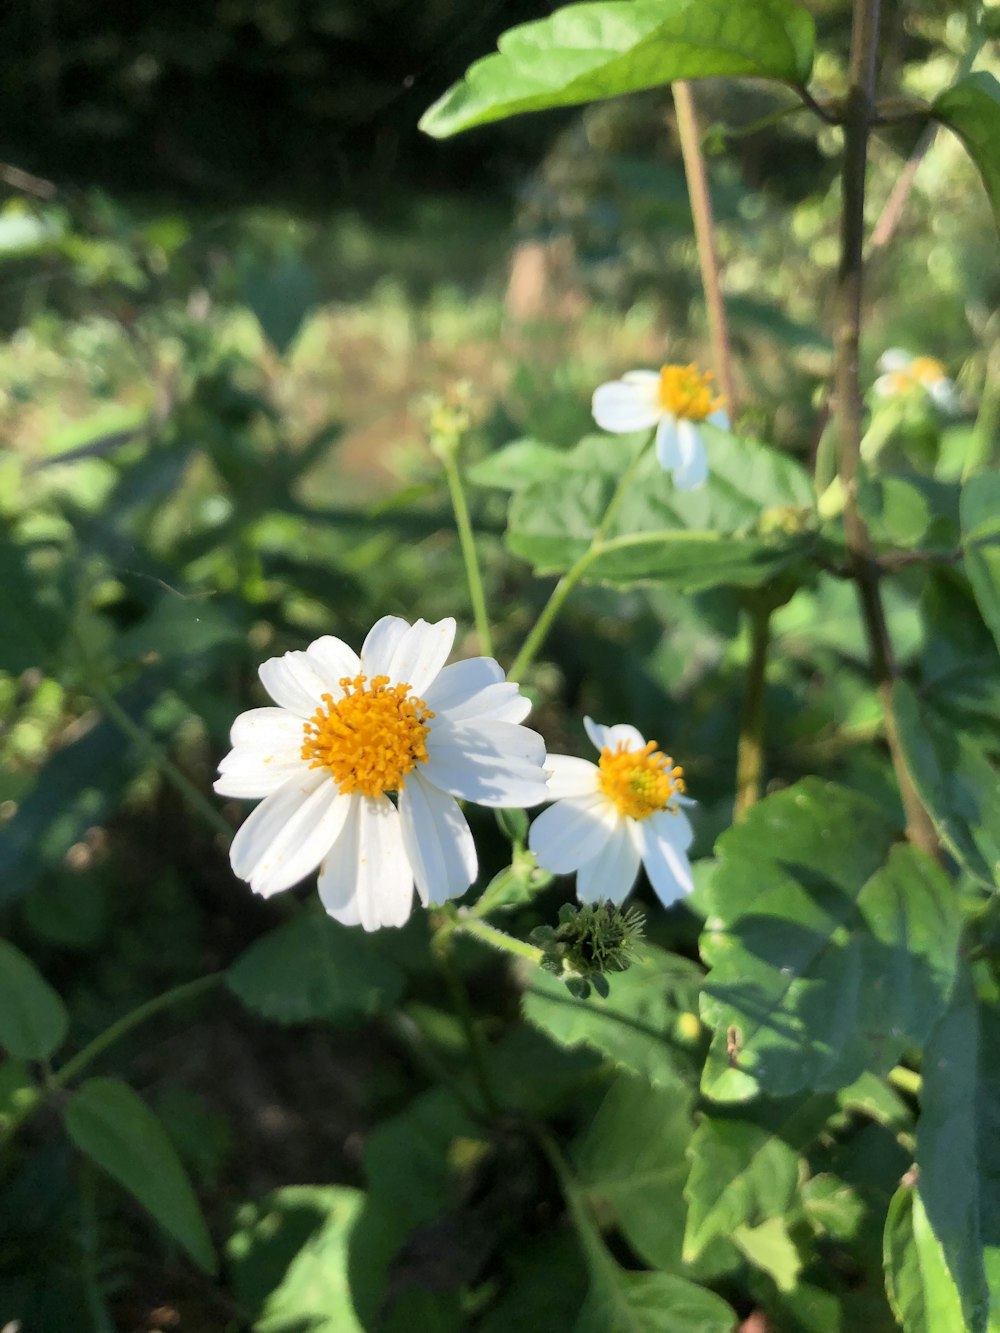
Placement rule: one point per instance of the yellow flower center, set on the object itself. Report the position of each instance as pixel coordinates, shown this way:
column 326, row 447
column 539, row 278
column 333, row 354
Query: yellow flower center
column 640, row 782
column 685, row 391
column 371, row 738
column 926, row 370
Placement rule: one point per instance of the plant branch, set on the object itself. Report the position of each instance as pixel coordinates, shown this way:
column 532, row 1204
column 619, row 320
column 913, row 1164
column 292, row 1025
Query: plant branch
column 704, row 231
column 750, row 746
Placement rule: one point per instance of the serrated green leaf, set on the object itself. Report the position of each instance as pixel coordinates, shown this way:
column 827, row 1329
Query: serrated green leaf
column 741, row 1175
column 919, row 1286
column 586, row 52
column 115, row 1128
column 824, row 962
column 289, row 1259
column 33, row 1019
column 632, row 1027
column 689, row 540
column 632, row 1159
column 623, row 1302
column 958, row 1146
column 980, row 509
column 971, row 108
column 956, row 782
column 313, row 968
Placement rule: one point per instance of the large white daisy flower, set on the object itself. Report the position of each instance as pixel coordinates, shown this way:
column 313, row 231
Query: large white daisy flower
column 348, row 732
column 611, row 815
column 676, row 400
column 905, row 374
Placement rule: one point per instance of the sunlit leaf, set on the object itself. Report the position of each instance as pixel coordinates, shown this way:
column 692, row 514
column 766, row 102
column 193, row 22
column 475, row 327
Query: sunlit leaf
column 920, row 1288
column 624, row 1302
column 981, row 539
column 591, row 51
column 972, row 109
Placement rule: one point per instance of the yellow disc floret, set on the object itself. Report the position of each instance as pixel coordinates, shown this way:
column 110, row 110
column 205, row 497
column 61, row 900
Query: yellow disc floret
column 926, row 370
column 686, row 392
column 371, row 738
column 639, row 782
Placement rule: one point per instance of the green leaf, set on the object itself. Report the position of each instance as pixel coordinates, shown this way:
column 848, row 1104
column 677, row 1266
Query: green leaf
column 115, row 1128
column 313, row 968
column 980, row 509
column 282, row 295
column 972, row 109
column 33, row 1019
column 634, row 1026
column 18, row 1091
column 517, row 465
column 631, row 1158
column 591, row 51
column 32, row 622
column 623, row 1302
column 741, row 1175
column 919, row 1286
column 770, row 1248
column 747, row 523
column 956, row 782
column 958, row 1146
column 823, row 961
column 289, row 1259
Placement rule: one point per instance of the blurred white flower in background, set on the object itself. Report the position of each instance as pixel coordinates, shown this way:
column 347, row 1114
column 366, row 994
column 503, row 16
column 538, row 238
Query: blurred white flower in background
column 904, row 374
column 348, row 732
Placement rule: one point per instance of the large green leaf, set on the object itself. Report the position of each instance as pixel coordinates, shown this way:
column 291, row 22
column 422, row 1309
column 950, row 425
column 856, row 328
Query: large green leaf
column 824, row 962
column 980, row 510
column 32, row 623
column 634, row 1026
column 312, row 968
column 972, row 109
column 920, row 1288
column 624, row 1302
column 632, row 1159
column 745, row 525
column 33, row 1019
column 117, row 1130
column 591, row 51
column 289, row 1259
column 958, row 1147
column 956, row 782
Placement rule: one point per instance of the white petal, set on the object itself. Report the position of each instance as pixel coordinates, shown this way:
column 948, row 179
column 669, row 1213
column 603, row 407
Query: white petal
column 887, row 386
column 491, row 763
column 334, row 660
column 570, row 777
column 606, row 738
column 293, row 682
column 475, row 689
column 259, row 767
column 380, row 644
column 421, row 653
column 944, row 394
column 437, row 841
column 650, row 378
column 571, row 833
column 289, row 833
column 267, row 729
column 612, row 873
column 895, row 359
column 367, row 879
column 693, row 469
column 719, row 418
column 668, row 449
column 662, row 841
column 626, row 405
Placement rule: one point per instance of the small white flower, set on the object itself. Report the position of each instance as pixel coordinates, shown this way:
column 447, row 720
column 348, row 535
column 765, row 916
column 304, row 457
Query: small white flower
column 350, row 730
column 676, row 400
column 905, row 374
column 610, row 816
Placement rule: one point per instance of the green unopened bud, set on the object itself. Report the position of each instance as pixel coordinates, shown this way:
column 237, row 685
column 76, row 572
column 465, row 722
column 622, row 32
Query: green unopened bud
column 588, row 943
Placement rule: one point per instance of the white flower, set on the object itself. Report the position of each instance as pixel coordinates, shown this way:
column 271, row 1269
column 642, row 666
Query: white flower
column 610, row 816
column 906, row 374
column 676, row 400
column 348, row 731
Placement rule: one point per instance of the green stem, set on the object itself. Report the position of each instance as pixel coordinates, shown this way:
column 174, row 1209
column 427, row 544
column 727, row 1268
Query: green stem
column 750, row 747
column 496, row 939
column 113, row 710
column 74, row 1067
column 588, row 1234
column 467, row 542
column 985, row 451
column 557, row 598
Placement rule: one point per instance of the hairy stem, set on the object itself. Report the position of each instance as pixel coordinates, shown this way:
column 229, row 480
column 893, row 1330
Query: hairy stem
column 704, row 231
column 750, row 747
column 495, row 938
column 858, row 115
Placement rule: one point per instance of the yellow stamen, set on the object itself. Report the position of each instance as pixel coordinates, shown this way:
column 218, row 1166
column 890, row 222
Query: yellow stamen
column 686, row 392
column 926, row 370
column 639, row 782
column 371, row 738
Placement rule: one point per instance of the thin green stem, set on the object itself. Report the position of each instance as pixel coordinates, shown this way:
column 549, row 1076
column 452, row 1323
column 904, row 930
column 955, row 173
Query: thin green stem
column 188, row 990
column 985, row 451
column 750, row 746
column 196, row 799
column 557, row 598
column 467, row 542
column 495, row 938
column 588, row 1233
